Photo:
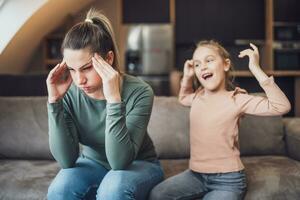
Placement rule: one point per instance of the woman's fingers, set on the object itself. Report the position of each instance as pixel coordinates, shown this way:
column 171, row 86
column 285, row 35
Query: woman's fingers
column 99, row 68
column 105, row 70
column 107, row 67
column 56, row 73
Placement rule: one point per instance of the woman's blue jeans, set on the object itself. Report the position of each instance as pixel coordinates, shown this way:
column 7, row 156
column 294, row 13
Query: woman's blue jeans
column 90, row 180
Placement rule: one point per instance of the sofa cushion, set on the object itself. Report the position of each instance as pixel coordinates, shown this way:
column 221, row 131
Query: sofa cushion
column 292, row 129
column 169, row 128
column 268, row 177
column 24, row 128
column 261, row 135
column 24, row 179
column 272, row 177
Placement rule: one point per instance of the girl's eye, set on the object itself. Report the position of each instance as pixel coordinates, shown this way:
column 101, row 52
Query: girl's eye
column 196, row 64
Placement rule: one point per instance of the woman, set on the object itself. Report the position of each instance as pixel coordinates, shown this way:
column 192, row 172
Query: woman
column 90, row 102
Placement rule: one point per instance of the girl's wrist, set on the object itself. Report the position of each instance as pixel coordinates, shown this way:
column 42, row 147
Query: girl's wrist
column 186, row 81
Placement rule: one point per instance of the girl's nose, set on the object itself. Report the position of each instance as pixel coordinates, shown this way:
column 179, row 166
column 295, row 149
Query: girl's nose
column 203, row 67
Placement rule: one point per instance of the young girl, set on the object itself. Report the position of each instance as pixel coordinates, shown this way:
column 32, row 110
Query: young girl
column 215, row 169
column 106, row 112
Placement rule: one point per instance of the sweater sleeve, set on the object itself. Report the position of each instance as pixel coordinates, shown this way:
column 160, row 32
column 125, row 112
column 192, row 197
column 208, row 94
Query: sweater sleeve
column 275, row 102
column 124, row 133
column 186, row 94
column 63, row 138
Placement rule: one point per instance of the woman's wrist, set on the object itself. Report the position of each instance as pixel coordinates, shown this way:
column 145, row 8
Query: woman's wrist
column 114, row 99
column 53, row 99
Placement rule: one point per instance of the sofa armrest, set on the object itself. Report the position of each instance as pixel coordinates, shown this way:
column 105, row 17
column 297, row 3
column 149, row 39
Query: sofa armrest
column 292, row 129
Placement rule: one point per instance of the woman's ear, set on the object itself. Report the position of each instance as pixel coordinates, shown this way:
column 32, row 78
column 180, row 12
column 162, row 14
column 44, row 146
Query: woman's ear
column 110, row 57
column 227, row 65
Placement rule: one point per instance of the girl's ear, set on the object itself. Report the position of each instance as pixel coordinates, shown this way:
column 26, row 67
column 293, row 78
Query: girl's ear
column 110, row 57
column 227, row 65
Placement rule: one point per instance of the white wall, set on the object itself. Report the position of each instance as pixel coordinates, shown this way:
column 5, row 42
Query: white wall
column 19, row 51
column 13, row 14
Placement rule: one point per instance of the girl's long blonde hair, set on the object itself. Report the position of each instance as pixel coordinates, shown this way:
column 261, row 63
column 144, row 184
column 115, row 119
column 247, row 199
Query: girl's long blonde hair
column 229, row 78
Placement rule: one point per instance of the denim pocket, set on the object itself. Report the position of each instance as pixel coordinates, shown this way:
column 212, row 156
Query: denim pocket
column 231, row 181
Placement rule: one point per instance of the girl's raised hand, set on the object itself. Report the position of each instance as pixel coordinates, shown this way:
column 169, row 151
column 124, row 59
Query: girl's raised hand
column 58, row 82
column 253, row 55
column 188, row 70
column 110, row 79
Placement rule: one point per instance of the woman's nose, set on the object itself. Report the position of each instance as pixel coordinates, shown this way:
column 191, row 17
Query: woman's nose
column 81, row 79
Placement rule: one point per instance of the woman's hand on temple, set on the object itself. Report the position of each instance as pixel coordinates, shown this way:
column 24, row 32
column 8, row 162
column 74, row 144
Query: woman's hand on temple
column 110, row 79
column 58, row 82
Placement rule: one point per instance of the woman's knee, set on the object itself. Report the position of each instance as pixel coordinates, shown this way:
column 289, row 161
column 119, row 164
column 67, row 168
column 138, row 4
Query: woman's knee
column 68, row 185
column 114, row 186
column 58, row 189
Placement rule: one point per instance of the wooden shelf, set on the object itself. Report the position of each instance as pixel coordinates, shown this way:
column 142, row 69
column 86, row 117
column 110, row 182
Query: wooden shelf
column 52, row 61
column 249, row 74
column 268, row 72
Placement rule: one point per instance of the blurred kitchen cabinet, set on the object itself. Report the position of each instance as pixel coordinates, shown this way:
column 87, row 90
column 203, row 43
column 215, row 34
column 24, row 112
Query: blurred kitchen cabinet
column 137, row 11
column 286, row 10
column 52, row 42
column 52, row 50
column 223, row 20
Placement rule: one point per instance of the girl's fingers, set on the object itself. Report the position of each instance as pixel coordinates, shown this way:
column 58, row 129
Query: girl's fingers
column 246, row 52
column 254, row 47
column 189, row 63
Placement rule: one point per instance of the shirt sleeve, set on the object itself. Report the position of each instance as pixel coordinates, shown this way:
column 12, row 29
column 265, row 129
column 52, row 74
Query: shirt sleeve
column 186, row 94
column 124, row 133
column 63, row 138
column 274, row 103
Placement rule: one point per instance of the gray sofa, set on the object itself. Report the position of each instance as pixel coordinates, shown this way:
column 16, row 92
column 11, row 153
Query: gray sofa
column 270, row 148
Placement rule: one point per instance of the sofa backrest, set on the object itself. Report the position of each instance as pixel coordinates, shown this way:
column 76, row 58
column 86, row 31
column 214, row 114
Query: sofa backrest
column 262, row 135
column 24, row 128
column 169, row 130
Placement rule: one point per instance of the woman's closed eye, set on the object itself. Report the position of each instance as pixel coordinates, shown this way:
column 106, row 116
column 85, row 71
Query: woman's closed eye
column 87, row 68
column 70, row 69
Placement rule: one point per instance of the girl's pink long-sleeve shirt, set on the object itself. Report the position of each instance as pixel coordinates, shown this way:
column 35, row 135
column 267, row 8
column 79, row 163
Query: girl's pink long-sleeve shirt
column 214, row 123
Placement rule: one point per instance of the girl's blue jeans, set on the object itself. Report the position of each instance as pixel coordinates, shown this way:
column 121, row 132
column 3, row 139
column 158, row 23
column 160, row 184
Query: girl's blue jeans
column 190, row 185
column 90, row 180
